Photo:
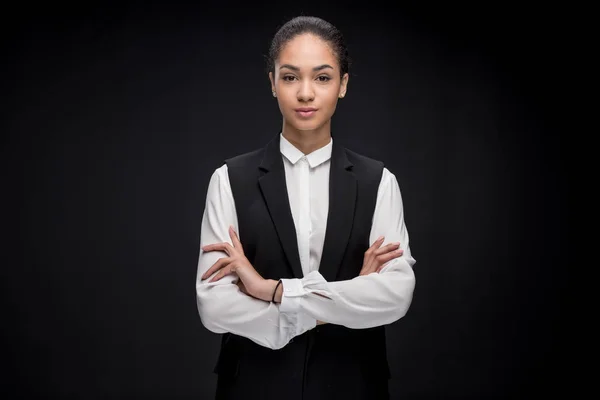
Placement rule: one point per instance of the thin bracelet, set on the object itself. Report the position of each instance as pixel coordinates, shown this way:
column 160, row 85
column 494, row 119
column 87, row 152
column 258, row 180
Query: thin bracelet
column 275, row 291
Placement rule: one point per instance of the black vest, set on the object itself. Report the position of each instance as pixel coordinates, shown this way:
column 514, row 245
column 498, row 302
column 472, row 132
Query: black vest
column 329, row 361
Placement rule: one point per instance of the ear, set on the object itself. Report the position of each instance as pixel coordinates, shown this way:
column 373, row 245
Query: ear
column 344, row 85
column 272, row 79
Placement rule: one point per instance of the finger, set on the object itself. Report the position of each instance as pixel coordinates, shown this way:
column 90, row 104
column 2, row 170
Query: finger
column 226, row 247
column 378, row 261
column 387, row 248
column 377, row 243
column 385, row 264
column 383, row 258
column 374, row 246
column 382, row 266
column 221, row 262
column 235, row 240
column 229, row 269
column 369, row 254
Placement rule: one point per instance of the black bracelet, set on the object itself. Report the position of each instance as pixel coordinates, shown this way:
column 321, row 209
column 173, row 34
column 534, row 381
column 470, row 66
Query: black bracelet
column 275, row 291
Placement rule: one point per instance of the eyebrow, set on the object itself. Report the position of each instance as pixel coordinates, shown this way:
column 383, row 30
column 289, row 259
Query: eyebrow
column 294, row 68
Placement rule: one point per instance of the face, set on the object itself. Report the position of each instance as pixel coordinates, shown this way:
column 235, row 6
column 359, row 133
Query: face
column 307, row 83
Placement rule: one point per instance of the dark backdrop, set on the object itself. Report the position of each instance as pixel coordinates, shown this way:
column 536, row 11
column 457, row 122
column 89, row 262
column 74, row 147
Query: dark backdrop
column 116, row 115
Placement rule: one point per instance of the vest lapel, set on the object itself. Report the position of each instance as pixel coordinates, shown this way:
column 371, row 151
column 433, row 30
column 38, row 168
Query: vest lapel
column 342, row 200
column 273, row 186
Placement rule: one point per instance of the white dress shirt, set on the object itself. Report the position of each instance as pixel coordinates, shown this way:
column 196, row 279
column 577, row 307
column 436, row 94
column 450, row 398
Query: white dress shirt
column 362, row 302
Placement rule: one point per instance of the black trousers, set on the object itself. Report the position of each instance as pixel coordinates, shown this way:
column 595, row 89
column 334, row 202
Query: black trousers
column 327, row 362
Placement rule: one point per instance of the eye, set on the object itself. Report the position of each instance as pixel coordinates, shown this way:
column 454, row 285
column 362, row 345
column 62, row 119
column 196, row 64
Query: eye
column 288, row 78
column 323, row 78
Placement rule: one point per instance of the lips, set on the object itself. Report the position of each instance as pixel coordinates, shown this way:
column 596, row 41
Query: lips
column 305, row 112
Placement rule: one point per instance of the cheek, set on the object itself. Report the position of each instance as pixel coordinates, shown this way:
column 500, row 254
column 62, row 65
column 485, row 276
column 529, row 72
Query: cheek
column 330, row 97
column 285, row 101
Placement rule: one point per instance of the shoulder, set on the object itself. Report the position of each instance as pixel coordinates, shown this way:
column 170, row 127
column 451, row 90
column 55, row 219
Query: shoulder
column 241, row 170
column 239, row 162
column 366, row 169
column 375, row 169
column 362, row 161
column 245, row 160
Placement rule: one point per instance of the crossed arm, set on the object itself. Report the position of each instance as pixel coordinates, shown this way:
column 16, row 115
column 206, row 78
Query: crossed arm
column 233, row 297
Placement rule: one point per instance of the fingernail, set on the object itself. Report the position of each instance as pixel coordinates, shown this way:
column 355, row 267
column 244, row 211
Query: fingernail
column 380, row 238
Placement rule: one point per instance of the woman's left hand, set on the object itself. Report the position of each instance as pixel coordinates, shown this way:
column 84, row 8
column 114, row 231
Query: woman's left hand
column 237, row 263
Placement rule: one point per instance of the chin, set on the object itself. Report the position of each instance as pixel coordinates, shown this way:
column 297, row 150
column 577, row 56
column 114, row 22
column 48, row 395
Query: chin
column 307, row 128
column 307, row 125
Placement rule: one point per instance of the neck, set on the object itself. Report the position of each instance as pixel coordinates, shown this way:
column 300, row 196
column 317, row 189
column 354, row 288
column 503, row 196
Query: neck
column 308, row 141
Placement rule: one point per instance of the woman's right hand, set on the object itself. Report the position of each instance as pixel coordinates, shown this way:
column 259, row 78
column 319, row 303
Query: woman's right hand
column 376, row 256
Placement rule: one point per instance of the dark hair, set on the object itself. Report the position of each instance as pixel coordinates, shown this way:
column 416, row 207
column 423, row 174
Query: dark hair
column 317, row 26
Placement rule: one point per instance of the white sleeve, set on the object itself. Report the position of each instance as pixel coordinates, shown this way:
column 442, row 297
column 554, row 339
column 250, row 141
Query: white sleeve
column 221, row 305
column 369, row 300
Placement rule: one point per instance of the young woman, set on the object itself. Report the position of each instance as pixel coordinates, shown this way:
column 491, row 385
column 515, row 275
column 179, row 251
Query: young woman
column 304, row 251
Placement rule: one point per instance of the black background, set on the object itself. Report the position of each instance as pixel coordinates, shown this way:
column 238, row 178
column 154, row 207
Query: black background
column 116, row 115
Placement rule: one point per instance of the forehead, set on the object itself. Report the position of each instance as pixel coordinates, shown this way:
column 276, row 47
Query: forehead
column 307, row 49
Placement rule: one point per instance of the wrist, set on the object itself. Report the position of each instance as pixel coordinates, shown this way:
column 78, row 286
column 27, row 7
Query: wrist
column 268, row 289
column 278, row 293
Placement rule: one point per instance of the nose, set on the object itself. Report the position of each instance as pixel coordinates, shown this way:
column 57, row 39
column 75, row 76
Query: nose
column 306, row 92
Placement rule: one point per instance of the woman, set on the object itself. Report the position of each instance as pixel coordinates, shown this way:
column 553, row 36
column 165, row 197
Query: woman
column 325, row 262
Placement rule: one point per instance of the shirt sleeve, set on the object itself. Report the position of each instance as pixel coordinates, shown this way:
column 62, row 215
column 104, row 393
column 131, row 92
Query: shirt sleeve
column 368, row 300
column 222, row 306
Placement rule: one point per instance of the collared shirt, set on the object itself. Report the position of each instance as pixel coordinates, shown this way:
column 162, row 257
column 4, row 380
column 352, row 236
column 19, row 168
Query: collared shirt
column 362, row 302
